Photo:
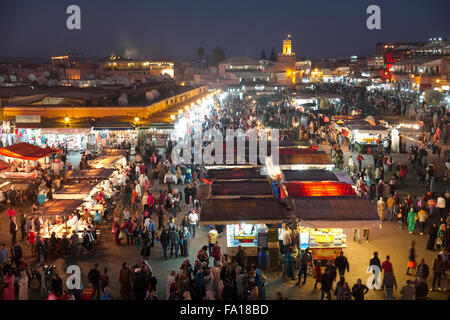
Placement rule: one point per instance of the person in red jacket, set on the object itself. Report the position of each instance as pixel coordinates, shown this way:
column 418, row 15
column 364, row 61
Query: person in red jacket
column 318, row 272
column 360, row 160
column 216, row 252
column 386, row 265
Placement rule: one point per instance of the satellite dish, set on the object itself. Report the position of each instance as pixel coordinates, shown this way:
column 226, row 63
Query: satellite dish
column 51, row 83
column 31, row 77
column 123, row 101
column 41, row 80
column 155, row 93
column 149, row 96
column 91, row 77
column 46, row 74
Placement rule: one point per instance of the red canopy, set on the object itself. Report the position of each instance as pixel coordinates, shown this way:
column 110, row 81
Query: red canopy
column 26, row 151
column 319, row 189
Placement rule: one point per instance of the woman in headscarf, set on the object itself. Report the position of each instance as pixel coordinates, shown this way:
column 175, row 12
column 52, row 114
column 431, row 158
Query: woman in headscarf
column 151, row 202
column 432, row 235
column 260, row 283
column 9, row 291
column 381, row 207
column 23, row 286
column 412, row 217
column 290, row 264
column 441, row 235
column 169, row 282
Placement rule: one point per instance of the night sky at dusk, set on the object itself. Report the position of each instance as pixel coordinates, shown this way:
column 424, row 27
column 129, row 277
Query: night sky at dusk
column 176, row 28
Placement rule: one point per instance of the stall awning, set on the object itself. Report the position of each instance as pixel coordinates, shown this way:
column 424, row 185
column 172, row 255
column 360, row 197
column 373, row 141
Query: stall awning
column 76, row 188
column 26, row 151
column 230, row 211
column 59, row 207
column 319, row 189
column 253, row 173
column 92, row 174
column 228, row 188
column 4, row 165
column 309, row 175
column 305, row 158
column 338, row 209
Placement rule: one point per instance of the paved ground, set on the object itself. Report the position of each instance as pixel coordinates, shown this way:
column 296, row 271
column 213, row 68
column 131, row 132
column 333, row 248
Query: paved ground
column 387, row 240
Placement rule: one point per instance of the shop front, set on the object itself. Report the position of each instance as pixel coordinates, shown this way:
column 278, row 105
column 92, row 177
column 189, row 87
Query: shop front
column 324, row 243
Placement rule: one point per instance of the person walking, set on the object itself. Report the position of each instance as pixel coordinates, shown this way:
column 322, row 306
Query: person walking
column 423, row 270
column 174, row 242
column 125, row 279
column 408, row 291
column 23, row 286
column 165, row 241
column 213, row 235
column 13, row 229
column 186, row 241
column 421, row 289
column 432, row 235
column 341, row 263
column 412, row 218
column 389, row 282
column 303, row 270
column 193, row 218
column 9, row 291
column 326, row 282
column 391, row 207
column 359, row 290
column 422, row 217
column 438, row 270
column 318, row 273
column 216, row 253
column 94, row 279
column 411, row 258
column 386, row 266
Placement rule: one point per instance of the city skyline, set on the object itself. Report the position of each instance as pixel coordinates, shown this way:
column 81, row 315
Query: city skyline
column 176, row 29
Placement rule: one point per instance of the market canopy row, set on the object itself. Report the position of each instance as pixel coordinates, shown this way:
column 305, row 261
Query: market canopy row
column 26, row 151
column 59, row 207
column 320, row 212
column 92, row 174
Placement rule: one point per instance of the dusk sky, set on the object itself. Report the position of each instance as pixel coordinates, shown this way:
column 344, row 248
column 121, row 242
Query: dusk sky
column 176, row 28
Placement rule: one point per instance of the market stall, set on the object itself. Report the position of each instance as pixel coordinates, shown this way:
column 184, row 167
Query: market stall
column 242, row 173
column 74, row 191
column 248, row 222
column 301, row 159
column 57, row 213
column 322, row 220
column 21, row 157
column 92, row 174
column 108, row 161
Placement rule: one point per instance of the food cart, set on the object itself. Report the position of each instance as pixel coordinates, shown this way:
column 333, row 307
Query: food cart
column 57, row 213
column 324, row 243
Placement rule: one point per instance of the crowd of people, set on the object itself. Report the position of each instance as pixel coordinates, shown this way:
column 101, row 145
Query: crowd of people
column 150, row 195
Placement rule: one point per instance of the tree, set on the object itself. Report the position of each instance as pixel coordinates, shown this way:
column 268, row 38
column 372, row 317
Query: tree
column 201, row 53
column 218, row 55
column 263, row 55
column 273, row 57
